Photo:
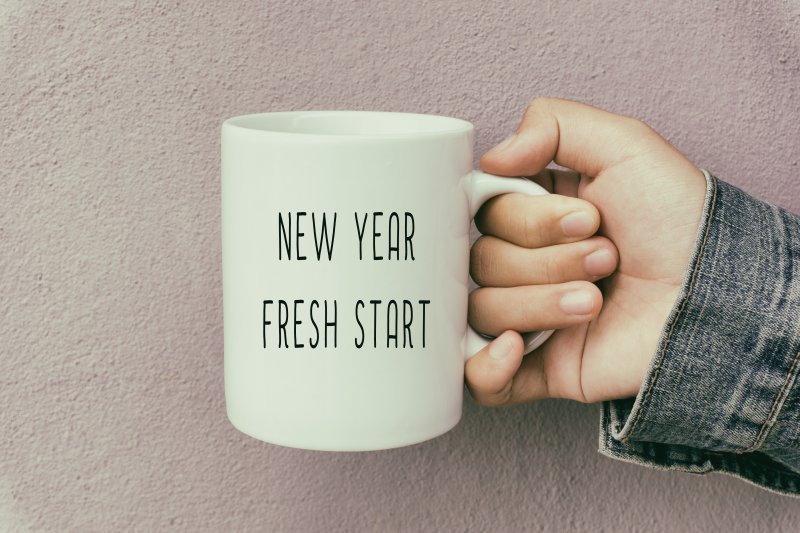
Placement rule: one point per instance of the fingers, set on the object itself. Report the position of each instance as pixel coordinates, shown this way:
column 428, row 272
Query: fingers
column 493, row 310
column 574, row 135
column 497, row 263
column 490, row 373
column 499, row 375
column 536, row 221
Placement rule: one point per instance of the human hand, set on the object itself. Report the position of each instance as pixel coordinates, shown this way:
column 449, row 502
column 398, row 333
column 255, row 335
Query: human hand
column 646, row 199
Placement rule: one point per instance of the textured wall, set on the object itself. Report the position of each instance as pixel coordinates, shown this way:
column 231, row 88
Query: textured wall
column 111, row 394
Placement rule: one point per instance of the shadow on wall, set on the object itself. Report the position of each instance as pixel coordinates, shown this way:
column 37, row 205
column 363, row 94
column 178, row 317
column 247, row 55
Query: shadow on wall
column 511, row 457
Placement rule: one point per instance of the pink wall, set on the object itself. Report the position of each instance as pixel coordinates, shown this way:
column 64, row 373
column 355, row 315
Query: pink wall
column 111, row 400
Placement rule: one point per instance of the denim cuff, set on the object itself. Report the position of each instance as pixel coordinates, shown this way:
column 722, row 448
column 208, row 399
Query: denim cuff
column 722, row 391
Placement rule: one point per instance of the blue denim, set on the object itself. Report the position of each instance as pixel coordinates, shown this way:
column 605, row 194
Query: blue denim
column 722, row 392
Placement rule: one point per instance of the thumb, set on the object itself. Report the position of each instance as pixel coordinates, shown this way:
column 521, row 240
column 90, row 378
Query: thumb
column 574, row 135
column 490, row 372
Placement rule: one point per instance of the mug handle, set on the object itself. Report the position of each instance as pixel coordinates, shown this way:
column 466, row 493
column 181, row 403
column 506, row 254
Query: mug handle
column 480, row 187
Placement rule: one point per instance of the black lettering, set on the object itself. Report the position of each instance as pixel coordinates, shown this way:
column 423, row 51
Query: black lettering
column 283, row 320
column 423, row 303
column 375, row 304
column 328, row 323
column 297, row 237
column 323, row 235
column 266, row 322
column 375, row 235
column 315, row 341
column 284, row 237
column 408, row 317
column 296, row 322
column 394, row 231
column 391, row 321
column 359, row 344
column 360, row 229
column 409, row 236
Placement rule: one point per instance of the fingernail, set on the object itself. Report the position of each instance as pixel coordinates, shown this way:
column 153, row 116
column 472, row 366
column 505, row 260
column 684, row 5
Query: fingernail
column 577, row 303
column 501, row 347
column 599, row 262
column 507, row 142
column 577, row 224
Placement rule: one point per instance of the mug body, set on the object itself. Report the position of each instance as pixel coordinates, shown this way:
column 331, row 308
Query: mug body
column 345, row 242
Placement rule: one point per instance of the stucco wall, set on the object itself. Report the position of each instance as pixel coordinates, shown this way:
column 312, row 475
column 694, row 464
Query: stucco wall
column 111, row 393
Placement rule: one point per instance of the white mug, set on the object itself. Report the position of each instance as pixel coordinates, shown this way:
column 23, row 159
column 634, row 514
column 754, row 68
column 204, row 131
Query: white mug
column 345, row 251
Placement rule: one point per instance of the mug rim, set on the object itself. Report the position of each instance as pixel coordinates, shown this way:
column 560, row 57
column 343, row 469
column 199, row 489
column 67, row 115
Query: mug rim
column 253, row 123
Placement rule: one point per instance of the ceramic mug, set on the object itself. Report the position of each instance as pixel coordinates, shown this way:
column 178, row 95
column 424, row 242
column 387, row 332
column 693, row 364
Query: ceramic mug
column 345, row 251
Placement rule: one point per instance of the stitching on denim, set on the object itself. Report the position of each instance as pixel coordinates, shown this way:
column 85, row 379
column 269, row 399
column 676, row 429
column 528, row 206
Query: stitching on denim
column 769, row 423
column 779, row 481
column 663, row 350
column 728, row 462
column 605, row 424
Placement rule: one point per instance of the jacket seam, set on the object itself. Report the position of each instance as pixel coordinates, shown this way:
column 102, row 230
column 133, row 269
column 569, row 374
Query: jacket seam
column 769, row 423
column 689, row 292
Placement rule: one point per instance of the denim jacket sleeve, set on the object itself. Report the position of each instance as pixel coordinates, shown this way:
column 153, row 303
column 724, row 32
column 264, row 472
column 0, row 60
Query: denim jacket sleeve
column 722, row 392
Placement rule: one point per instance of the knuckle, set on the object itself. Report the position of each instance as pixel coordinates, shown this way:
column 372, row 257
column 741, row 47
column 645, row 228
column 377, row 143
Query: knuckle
column 638, row 129
column 472, row 300
column 534, row 231
column 502, row 398
column 484, row 215
column 474, row 304
column 530, row 315
column 640, row 125
column 551, row 269
column 539, row 103
column 484, row 309
column 537, row 107
column 480, row 261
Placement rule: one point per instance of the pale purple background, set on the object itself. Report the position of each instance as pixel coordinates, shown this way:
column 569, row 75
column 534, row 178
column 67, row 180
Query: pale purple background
column 111, row 394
